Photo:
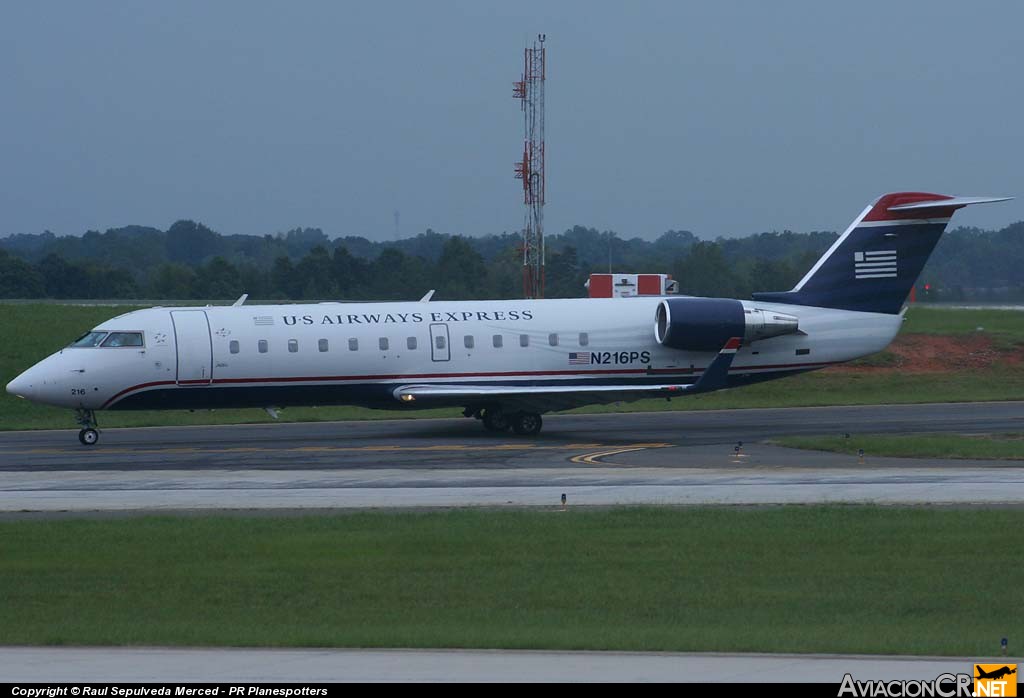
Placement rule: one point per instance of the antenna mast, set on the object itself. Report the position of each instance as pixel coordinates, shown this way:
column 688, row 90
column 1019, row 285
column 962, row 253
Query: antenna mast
column 530, row 92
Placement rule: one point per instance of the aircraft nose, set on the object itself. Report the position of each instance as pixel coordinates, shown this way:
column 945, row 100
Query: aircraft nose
column 22, row 386
column 47, row 383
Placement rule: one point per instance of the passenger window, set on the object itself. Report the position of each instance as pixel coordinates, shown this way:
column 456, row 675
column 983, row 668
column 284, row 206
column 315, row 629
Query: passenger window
column 467, row 341
column 123, row 339
column 233, row 346
column 584, row 339
column 322, row 345
column 553, row 339
column 439, row 341
column 293, row 345
column 524, row 340
column 89, row 339
column 497, row 341
column 383, row 343
column 262, row 346
column 353, row 345
column 410, row 342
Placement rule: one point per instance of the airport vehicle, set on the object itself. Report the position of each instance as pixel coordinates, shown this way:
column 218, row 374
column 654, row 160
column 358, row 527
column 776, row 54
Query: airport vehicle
column 505, row 362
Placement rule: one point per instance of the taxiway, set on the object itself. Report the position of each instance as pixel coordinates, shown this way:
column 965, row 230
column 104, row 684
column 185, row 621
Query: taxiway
column 627, row 458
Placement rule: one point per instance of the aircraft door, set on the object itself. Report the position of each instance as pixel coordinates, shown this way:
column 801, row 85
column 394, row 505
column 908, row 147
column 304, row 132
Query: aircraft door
column 194, row 347
column 439, row 345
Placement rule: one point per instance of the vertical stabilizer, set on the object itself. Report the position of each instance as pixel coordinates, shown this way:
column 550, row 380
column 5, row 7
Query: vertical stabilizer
column 875, row 263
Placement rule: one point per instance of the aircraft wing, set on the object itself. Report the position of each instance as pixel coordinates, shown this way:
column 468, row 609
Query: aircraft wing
column 535, row 397
column 562, row 396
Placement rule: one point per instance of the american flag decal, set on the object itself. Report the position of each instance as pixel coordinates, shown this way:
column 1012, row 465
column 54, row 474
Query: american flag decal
column 263, row 319
column 579, row 357
column 877, row 264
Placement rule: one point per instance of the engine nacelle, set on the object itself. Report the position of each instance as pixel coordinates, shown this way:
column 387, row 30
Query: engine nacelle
column 706, row 324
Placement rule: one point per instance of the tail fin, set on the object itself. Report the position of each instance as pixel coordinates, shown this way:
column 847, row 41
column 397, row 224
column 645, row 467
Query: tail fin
column 874, row 264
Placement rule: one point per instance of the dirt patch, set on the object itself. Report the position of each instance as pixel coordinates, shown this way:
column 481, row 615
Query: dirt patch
column 929, row 353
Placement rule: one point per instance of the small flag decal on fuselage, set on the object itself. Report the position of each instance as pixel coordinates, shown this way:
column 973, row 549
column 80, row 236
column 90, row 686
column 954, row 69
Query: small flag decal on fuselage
column 877, row 264
column 263, row 319
column 579, row 357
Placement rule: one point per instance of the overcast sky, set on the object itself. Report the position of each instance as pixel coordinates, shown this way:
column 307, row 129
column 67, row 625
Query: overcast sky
column 724, row 118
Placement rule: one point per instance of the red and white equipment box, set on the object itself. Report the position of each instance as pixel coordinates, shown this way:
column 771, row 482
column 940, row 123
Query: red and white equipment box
column 625, row 285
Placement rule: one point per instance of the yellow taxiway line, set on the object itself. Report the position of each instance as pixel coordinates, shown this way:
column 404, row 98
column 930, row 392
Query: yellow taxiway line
column 595, row 458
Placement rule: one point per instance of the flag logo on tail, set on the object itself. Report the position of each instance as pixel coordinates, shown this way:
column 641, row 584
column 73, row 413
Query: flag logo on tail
column 877, row 264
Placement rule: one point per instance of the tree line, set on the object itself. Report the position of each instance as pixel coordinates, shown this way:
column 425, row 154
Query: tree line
column 190, row 261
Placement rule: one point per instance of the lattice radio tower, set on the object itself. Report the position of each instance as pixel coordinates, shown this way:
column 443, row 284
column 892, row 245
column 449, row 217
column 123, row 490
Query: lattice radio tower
column 530, row 93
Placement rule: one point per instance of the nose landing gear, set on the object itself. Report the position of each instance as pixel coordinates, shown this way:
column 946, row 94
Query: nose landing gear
column 89, row 435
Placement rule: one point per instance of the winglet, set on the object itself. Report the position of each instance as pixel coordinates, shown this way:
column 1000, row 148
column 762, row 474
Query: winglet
column 240, row 300
column 716, row 376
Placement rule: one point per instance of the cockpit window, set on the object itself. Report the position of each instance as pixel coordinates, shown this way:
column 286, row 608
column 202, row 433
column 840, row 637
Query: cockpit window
column 89, row 339
column 123, row 339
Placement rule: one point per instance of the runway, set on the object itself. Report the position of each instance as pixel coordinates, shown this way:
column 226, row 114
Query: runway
column 309, row 666
column 627, row 458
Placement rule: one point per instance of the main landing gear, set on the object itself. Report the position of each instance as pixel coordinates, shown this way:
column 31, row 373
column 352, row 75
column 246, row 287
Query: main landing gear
column 522, row 423
column 89, row 435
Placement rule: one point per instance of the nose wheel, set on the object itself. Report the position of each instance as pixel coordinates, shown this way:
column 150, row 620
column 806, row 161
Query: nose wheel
column 87, row 420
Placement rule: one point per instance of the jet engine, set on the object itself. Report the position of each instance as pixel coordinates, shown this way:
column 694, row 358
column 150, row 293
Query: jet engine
column 706, row 324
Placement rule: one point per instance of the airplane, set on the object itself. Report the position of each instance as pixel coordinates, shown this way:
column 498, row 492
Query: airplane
column 996, row 673
column 505, row 362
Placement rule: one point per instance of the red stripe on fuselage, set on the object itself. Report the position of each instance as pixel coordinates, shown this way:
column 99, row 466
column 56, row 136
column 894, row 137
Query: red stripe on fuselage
column 141, row 386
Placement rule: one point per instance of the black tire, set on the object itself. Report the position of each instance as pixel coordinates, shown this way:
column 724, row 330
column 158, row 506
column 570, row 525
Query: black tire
column 495, row 420
column 88, row 437
column 527, row 423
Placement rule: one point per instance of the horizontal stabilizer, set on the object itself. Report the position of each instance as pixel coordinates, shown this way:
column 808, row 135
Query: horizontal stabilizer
column 957, row 201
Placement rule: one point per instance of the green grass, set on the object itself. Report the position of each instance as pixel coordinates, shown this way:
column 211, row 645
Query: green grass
column 784, row 579
column 40, row 329
column 977, row 446
column 824, row 388
column 1005, row 327
column 1003, row 323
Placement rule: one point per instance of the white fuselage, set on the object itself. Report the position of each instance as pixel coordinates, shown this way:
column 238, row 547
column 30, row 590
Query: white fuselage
column 357, row 353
